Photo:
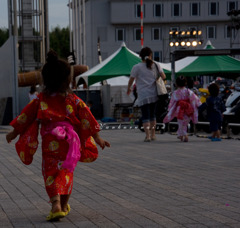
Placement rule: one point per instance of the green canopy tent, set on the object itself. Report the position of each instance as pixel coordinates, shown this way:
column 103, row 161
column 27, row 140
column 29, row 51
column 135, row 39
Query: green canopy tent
column 219, row 65
column 118, row 64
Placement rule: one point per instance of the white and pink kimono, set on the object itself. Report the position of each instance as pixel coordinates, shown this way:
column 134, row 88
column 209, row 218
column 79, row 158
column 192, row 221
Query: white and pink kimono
column 184, row 106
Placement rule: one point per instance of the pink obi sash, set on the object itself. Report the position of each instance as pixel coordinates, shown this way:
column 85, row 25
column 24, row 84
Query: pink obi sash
column 64, row 130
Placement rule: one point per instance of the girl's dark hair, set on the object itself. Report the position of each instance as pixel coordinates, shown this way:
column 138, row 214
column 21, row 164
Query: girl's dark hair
column 213, row 89
column 56, row 74
column 32, row 89
column 181, row 81
column 144, row 53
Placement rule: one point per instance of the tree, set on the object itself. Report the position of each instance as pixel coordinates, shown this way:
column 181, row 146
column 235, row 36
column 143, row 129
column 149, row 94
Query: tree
column 3, row 35
column 60, row 41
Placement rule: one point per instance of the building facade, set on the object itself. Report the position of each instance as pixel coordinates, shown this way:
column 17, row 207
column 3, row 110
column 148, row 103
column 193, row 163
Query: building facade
column 117, row 21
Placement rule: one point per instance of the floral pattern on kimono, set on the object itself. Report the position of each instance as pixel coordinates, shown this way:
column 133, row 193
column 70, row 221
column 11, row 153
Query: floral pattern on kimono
column 46, row 109
column 175, row 110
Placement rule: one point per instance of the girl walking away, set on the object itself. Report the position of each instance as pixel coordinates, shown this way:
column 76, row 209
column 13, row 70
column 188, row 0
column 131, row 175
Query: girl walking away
column 68, row 129
column 145, row 75
column 184, row 106
column 215, row 107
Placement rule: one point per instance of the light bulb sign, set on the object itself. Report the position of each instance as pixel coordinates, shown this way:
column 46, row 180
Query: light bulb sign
column 188, row 38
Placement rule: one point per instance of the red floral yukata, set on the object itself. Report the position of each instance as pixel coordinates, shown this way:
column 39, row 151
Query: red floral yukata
column 48, row 110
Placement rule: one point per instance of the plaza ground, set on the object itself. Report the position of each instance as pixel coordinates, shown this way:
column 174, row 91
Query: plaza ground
column 165, row 183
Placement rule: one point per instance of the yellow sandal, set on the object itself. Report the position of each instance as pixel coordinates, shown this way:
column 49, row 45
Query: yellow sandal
column 55, row 216
column 68, row 210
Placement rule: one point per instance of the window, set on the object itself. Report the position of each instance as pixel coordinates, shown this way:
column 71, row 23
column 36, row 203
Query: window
column 211, row 32
column 138, row 10
column 156, row 34
column 157, row 56
column 176, row 9
column 158, row 10
column 227, row 32
column 230, row 32
column 195, row 9
column 232, row 5
column 137, row 34
column 120, row 34
column 213, row 8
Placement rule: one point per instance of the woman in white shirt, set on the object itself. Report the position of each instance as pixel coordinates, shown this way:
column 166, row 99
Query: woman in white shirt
column 144, row 74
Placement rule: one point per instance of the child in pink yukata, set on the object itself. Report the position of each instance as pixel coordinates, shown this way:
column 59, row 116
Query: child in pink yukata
column 184, row 106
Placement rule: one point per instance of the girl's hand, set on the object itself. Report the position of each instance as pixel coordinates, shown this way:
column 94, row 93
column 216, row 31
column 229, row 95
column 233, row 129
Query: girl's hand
column 11, row 136
column 102, row 143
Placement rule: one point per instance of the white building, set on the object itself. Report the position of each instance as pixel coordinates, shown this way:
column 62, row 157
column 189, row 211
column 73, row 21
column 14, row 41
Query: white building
column 114, row 21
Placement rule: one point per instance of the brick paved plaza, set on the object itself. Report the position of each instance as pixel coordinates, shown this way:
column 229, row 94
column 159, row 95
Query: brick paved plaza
column 166, row 183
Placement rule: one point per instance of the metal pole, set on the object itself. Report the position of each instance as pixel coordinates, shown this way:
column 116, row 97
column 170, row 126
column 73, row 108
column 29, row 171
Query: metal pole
column 99, row 51
column 70, row 25
column 76, row 29
column 41, row 31
column 79, row 31
column 84, row 34
column 15, row 63
column 73, row 26
column 10, row 22
column 141, row 2
column 15, row 29
column 173, row 71
column 46, row 27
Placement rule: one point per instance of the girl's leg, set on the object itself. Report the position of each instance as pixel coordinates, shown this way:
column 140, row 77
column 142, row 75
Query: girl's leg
column 146, row 127
column 186, row 121
column 153, row 120
column 146, row 120
column 153, row 129
column 64, row 202
column 56, row 213
column 56, row 204
column 214, row 134
column 182, row 128
column 215, row 127
column 218, row 134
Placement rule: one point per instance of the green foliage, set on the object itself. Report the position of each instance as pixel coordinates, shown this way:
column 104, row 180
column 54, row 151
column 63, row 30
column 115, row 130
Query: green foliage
column 60, row 41
column 3, row 35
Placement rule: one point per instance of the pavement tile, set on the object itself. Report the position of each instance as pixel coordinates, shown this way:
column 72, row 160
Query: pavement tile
column 165, row 183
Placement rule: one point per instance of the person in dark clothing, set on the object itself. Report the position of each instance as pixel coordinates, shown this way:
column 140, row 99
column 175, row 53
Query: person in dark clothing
column 215, row 107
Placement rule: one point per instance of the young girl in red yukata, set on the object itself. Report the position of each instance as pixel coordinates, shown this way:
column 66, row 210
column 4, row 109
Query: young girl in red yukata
column 68, row 129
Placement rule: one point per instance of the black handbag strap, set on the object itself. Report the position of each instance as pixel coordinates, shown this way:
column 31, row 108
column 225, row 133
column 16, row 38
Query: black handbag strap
column 158, row 72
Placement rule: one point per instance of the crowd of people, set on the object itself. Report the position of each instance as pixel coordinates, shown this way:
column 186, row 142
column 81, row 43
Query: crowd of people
column 184, row 103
